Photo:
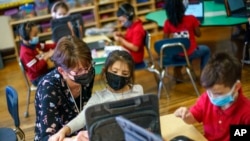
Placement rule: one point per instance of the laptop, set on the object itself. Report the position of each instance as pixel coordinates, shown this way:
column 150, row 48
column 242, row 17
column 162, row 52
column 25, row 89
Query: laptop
column 237, row 8
column 142, row 110
column 133, row 132
column 196, row 8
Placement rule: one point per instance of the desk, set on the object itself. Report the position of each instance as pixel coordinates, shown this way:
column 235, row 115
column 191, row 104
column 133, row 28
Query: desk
column 172, row 126
column 215, row 15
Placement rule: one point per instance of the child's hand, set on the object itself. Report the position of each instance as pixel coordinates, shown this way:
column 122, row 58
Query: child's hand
column 181, row 112
column 116, row 33
column 48, row 54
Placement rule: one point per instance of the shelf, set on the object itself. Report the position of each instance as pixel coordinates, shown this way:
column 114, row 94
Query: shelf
column 40, row 35
column 106, row 2
column 48, row 16
column 107, row 11
column 108, row 19
column 90, row 24
column 38, row 18
column 143, row 11
column 79, row 9
column 144, row 3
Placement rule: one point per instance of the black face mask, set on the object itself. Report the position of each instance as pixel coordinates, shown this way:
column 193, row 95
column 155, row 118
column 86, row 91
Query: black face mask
column 116, row 82
column 85, row 79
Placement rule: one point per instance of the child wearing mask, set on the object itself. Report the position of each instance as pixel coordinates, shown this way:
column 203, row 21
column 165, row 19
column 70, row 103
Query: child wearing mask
column 133, row 40
column 34, row 55
column 223, row 103
column 118, row 74
column 59, row 10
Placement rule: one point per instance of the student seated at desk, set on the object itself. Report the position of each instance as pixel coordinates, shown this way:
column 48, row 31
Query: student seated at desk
column 118, row 74
column 133, row 40
column 223, row 103
column 180, row 25
column 34, row 55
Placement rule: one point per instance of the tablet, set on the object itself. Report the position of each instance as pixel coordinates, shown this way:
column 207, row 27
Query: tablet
column 133, row 132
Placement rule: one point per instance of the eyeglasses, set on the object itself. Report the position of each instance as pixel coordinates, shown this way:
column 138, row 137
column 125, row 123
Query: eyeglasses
column 81, row 71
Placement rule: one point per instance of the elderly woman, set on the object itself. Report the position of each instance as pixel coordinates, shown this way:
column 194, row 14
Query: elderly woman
column 62, row 92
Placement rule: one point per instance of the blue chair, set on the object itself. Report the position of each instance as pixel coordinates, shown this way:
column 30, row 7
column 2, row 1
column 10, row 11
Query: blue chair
column 167, row 50
column 148, row 63
column 8, row 134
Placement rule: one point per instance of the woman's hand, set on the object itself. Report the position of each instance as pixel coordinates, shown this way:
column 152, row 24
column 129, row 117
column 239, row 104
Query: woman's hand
column 82, row 136
column 60, row 135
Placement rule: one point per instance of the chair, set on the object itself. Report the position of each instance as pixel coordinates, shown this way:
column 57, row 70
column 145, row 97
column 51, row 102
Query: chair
column 167, row 50
column 246, row 50
column 30, row 87
column 12, row 102
column 148, row 64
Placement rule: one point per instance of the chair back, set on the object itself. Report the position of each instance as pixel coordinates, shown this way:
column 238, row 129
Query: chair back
column 149, row 63
column 148, row 46
column 24, row 73
column 12, row 102
column 168, row 49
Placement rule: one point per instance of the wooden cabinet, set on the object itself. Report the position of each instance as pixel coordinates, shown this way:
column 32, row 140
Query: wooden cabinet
column 86, row 13
column 96, row 14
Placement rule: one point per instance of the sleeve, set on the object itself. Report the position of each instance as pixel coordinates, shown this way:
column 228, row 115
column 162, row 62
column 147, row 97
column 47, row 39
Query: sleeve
column 78, row 122
column 47, row 47
column 196, row 22
column 138, row 40
column 33, row 63
column 198, row 107
column 166, row 27
column 49, row 117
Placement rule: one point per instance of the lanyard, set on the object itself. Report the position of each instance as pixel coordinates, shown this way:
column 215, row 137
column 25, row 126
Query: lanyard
column 75, row 101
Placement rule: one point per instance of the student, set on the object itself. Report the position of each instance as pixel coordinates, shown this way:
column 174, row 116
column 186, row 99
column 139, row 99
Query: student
column 118, row 74
column 179, row 24
column 62, row 92
column 33, row 54
column 133, row 40
column 223, row 103
column 59, row 10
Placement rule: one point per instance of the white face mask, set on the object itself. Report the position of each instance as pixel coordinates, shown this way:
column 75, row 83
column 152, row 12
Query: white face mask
column 61, row 16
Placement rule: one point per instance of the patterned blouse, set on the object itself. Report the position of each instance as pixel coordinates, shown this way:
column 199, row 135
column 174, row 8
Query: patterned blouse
column 54, row 104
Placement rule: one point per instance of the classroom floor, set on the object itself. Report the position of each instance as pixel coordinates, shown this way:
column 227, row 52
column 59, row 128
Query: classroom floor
column 217, row 38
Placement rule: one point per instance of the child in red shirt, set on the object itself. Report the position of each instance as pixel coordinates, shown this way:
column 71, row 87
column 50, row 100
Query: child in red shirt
column 223, row 104
column 133, row 40
column 33, row 55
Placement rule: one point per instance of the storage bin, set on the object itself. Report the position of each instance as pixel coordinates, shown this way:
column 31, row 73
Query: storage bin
column 13, row 13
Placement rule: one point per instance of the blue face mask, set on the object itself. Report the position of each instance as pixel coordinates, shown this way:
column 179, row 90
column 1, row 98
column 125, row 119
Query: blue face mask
column 221, row 100
column 127, row 24
column 34, row 41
